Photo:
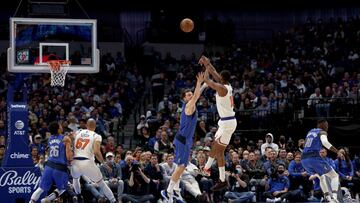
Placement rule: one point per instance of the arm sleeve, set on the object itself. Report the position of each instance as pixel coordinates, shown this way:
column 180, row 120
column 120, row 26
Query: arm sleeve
column 325, row 141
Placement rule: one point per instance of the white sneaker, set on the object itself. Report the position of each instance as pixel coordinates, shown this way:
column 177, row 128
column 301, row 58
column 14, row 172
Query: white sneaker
column 269, row 200
column 167, row 196
column 277, row 199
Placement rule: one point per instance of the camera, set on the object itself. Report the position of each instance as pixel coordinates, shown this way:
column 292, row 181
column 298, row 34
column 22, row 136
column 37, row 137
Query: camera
column 135, row 167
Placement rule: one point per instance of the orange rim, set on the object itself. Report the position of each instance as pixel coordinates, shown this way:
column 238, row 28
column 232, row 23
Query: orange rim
column 55, row 64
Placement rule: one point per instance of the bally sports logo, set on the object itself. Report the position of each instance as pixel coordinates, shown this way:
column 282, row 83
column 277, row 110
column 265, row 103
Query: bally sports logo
column 19, row 183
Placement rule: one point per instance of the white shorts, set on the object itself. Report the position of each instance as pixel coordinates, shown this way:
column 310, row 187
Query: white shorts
column 225, row 131
column 87, row 168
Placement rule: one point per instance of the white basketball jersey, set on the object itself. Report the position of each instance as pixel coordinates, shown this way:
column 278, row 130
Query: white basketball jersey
column 225, row 105
column 84, row 141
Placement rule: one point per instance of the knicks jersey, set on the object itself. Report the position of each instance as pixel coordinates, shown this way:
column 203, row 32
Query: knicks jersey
column 57, row 151
column 313, row 142
column 84, row 141
column 225, row 105
column 188, row 123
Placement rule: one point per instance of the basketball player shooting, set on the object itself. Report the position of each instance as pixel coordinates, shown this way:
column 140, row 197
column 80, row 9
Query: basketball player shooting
column 56, row 167
column 227, row 123
column 184, row 139
column 87, row 144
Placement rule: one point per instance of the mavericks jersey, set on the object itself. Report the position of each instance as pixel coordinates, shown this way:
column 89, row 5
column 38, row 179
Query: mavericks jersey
column 84, row 141
column 225, row 105
column 57, row 151
column 313, row 142
column 188, row 123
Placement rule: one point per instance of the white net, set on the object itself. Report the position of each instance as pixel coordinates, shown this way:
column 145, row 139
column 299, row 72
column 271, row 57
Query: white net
column 58, row 71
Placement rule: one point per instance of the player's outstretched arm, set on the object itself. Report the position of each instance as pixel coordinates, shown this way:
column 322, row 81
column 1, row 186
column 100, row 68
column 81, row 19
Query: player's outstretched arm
column 219, row 88
column 68, row 150
column 191, row 105
column 326, row 143
column 206, row 62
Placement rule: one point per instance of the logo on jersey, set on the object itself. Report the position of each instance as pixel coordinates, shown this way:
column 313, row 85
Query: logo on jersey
column 19, row 124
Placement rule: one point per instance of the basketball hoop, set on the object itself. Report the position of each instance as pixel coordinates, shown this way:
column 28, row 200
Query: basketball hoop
column 58, row 69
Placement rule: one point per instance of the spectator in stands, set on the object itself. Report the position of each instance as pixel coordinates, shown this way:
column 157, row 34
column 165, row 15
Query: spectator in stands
column 269, row 143
column 301, row 145
column 323, row 154
column 201, row 130
column 144, row 138
column 163, row 145
column 272, row 163
column 345, row 169
column 282, row 157
column 155, row 139
column 112, row 175
column 142, row 123
column 277, row 186
column 138, row 185
column 2, row 153
column 119, row 150
column 129, row 159
column 282, row 142
column 34, row 155
column 110, row 145
column 154, row 172
column 117, row 159
column 2, row 128
column 168, row 168
column 298, row 175
column 37, row 143
column 239, row 186
column 255, row 169
column 205, row 182
column 356, row 177
column 234, row 160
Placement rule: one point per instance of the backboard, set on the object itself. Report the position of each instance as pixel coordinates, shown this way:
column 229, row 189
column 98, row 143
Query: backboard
column 32, row 40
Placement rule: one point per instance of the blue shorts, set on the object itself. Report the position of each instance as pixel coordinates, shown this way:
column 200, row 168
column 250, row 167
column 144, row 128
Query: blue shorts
column 316, row 165
column 51, row 176
column 182, row 151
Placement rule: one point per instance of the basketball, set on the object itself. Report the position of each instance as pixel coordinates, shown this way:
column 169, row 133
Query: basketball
column 187, row 25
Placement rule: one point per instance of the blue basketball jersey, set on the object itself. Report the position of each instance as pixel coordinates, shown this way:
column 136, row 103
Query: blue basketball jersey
column 313, row 142
column 57, row 151
column 188, row 123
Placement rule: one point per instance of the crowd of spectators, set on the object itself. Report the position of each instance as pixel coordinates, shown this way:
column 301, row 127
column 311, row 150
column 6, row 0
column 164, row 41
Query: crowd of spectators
column 316, row 61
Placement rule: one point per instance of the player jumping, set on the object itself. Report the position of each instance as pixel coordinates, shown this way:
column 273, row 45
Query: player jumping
column 184, row 138
column 227, row 123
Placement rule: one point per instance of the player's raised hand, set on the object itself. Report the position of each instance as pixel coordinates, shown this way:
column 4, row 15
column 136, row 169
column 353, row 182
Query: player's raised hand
column 204, row 61
column 200, row 77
